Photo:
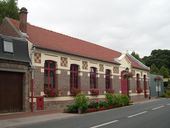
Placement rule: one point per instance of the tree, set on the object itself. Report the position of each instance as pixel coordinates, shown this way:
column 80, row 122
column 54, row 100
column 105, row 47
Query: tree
column 8, row 8
column 159, row 58
column 154, row 69
column 164, row 72
column 136, row 55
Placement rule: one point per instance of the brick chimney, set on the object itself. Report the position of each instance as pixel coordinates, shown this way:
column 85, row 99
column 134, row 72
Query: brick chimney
column 23, row 20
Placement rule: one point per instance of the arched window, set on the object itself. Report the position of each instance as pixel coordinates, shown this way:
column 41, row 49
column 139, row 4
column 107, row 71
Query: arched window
column 139, row 89
column 74, row 76
column 137, row 79
column 93, row 80
column 107, row 79
column 49, row 74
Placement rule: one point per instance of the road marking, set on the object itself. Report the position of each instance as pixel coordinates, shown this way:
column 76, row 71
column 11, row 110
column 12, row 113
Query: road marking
column 158, row 107
column 168, row 104
column 104, row 124
column 137, row 114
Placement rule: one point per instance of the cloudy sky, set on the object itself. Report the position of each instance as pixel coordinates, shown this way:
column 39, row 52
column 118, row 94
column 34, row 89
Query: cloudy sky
column 122, row 25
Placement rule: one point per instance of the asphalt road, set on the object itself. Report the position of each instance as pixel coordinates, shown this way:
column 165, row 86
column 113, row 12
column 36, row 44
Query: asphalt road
column 154, row 114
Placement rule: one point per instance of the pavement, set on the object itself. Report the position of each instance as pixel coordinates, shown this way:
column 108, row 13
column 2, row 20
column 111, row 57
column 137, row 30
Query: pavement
column 10, row 120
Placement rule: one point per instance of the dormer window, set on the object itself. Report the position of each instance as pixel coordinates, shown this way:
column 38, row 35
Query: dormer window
column 8, row 46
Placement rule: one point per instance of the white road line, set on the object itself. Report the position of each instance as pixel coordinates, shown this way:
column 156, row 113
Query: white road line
column 137, row 114
column 168, row 104
column 104, row 124
column 158, row 107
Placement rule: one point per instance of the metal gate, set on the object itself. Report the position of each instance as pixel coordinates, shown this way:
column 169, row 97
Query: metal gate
column 11, row 86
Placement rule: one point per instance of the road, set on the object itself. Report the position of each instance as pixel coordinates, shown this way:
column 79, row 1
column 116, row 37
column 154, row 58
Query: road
column 154, row 114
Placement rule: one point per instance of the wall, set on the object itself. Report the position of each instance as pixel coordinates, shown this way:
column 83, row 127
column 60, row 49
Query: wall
column 63, row 71
column 154, row 84
column 12, row 66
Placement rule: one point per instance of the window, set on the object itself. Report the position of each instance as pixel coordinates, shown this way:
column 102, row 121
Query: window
column 49, row 74
column 74, row 76
column 8, row 46
column 107, row 79
column 93, row 80
column 137, row 80
column 139, row 89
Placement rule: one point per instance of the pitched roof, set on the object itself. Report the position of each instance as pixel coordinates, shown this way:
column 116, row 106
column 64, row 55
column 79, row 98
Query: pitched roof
column 44, row 38
column 136, row 63
column 50, row 40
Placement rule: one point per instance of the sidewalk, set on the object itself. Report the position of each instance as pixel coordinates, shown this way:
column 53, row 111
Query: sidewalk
column 10, row 120
column 146, row 100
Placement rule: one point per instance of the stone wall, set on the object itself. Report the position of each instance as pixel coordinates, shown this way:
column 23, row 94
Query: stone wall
column 38, row 81
column 116, row 84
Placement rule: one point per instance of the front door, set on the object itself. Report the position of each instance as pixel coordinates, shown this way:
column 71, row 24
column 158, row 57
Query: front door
column 11, row 91
column 124, row 84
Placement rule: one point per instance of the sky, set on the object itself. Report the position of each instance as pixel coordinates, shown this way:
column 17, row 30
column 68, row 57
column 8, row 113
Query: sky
column 121, row 25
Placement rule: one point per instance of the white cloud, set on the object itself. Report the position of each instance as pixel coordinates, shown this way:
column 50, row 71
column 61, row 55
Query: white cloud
column 136, row 25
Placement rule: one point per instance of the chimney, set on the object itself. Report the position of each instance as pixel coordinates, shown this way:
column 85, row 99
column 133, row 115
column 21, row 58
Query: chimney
column 23, row 20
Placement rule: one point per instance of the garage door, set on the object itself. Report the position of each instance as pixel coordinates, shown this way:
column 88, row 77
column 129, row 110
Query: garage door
column 11, row 91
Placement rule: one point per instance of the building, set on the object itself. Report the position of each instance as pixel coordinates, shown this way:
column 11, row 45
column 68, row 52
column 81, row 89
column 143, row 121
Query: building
column 65, row 66
column 156, row 85
column 14, row 74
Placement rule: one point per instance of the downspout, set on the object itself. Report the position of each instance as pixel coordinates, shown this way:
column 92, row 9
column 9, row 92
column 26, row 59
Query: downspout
column 32, row 79
column 32, row 90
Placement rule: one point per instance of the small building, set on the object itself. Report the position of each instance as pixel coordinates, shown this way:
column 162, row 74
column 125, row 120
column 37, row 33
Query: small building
column 14, row 74
column 156, row 85
column 64, row 66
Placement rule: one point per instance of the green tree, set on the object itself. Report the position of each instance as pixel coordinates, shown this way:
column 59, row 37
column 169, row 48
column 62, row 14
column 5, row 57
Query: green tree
column 154, row 69
column 8, row 8
column 159, row 58
column 164, row 72
column 136, row 55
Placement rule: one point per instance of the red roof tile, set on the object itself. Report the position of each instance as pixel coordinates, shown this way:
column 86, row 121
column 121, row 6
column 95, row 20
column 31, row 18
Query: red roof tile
column 46, row 39
column 58, row 42
column 135, row 63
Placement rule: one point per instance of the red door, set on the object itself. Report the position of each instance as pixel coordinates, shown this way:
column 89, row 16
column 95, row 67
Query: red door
column 124, row 84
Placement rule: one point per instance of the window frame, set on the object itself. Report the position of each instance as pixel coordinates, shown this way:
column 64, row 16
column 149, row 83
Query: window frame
column 74, row 76
column 93, row 78
column 48, row 71
column 108, row 79
column 8, row 46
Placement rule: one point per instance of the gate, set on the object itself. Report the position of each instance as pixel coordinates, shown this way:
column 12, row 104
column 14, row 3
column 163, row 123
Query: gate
column 11, row 91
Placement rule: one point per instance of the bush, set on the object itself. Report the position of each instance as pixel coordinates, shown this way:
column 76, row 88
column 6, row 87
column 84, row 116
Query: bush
column 117, row 99
column 124, row 100
column 93, row 104
column 81, row 101
column 109, row 98
column 167, row 94
column 103, row 104
column 72, row 108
